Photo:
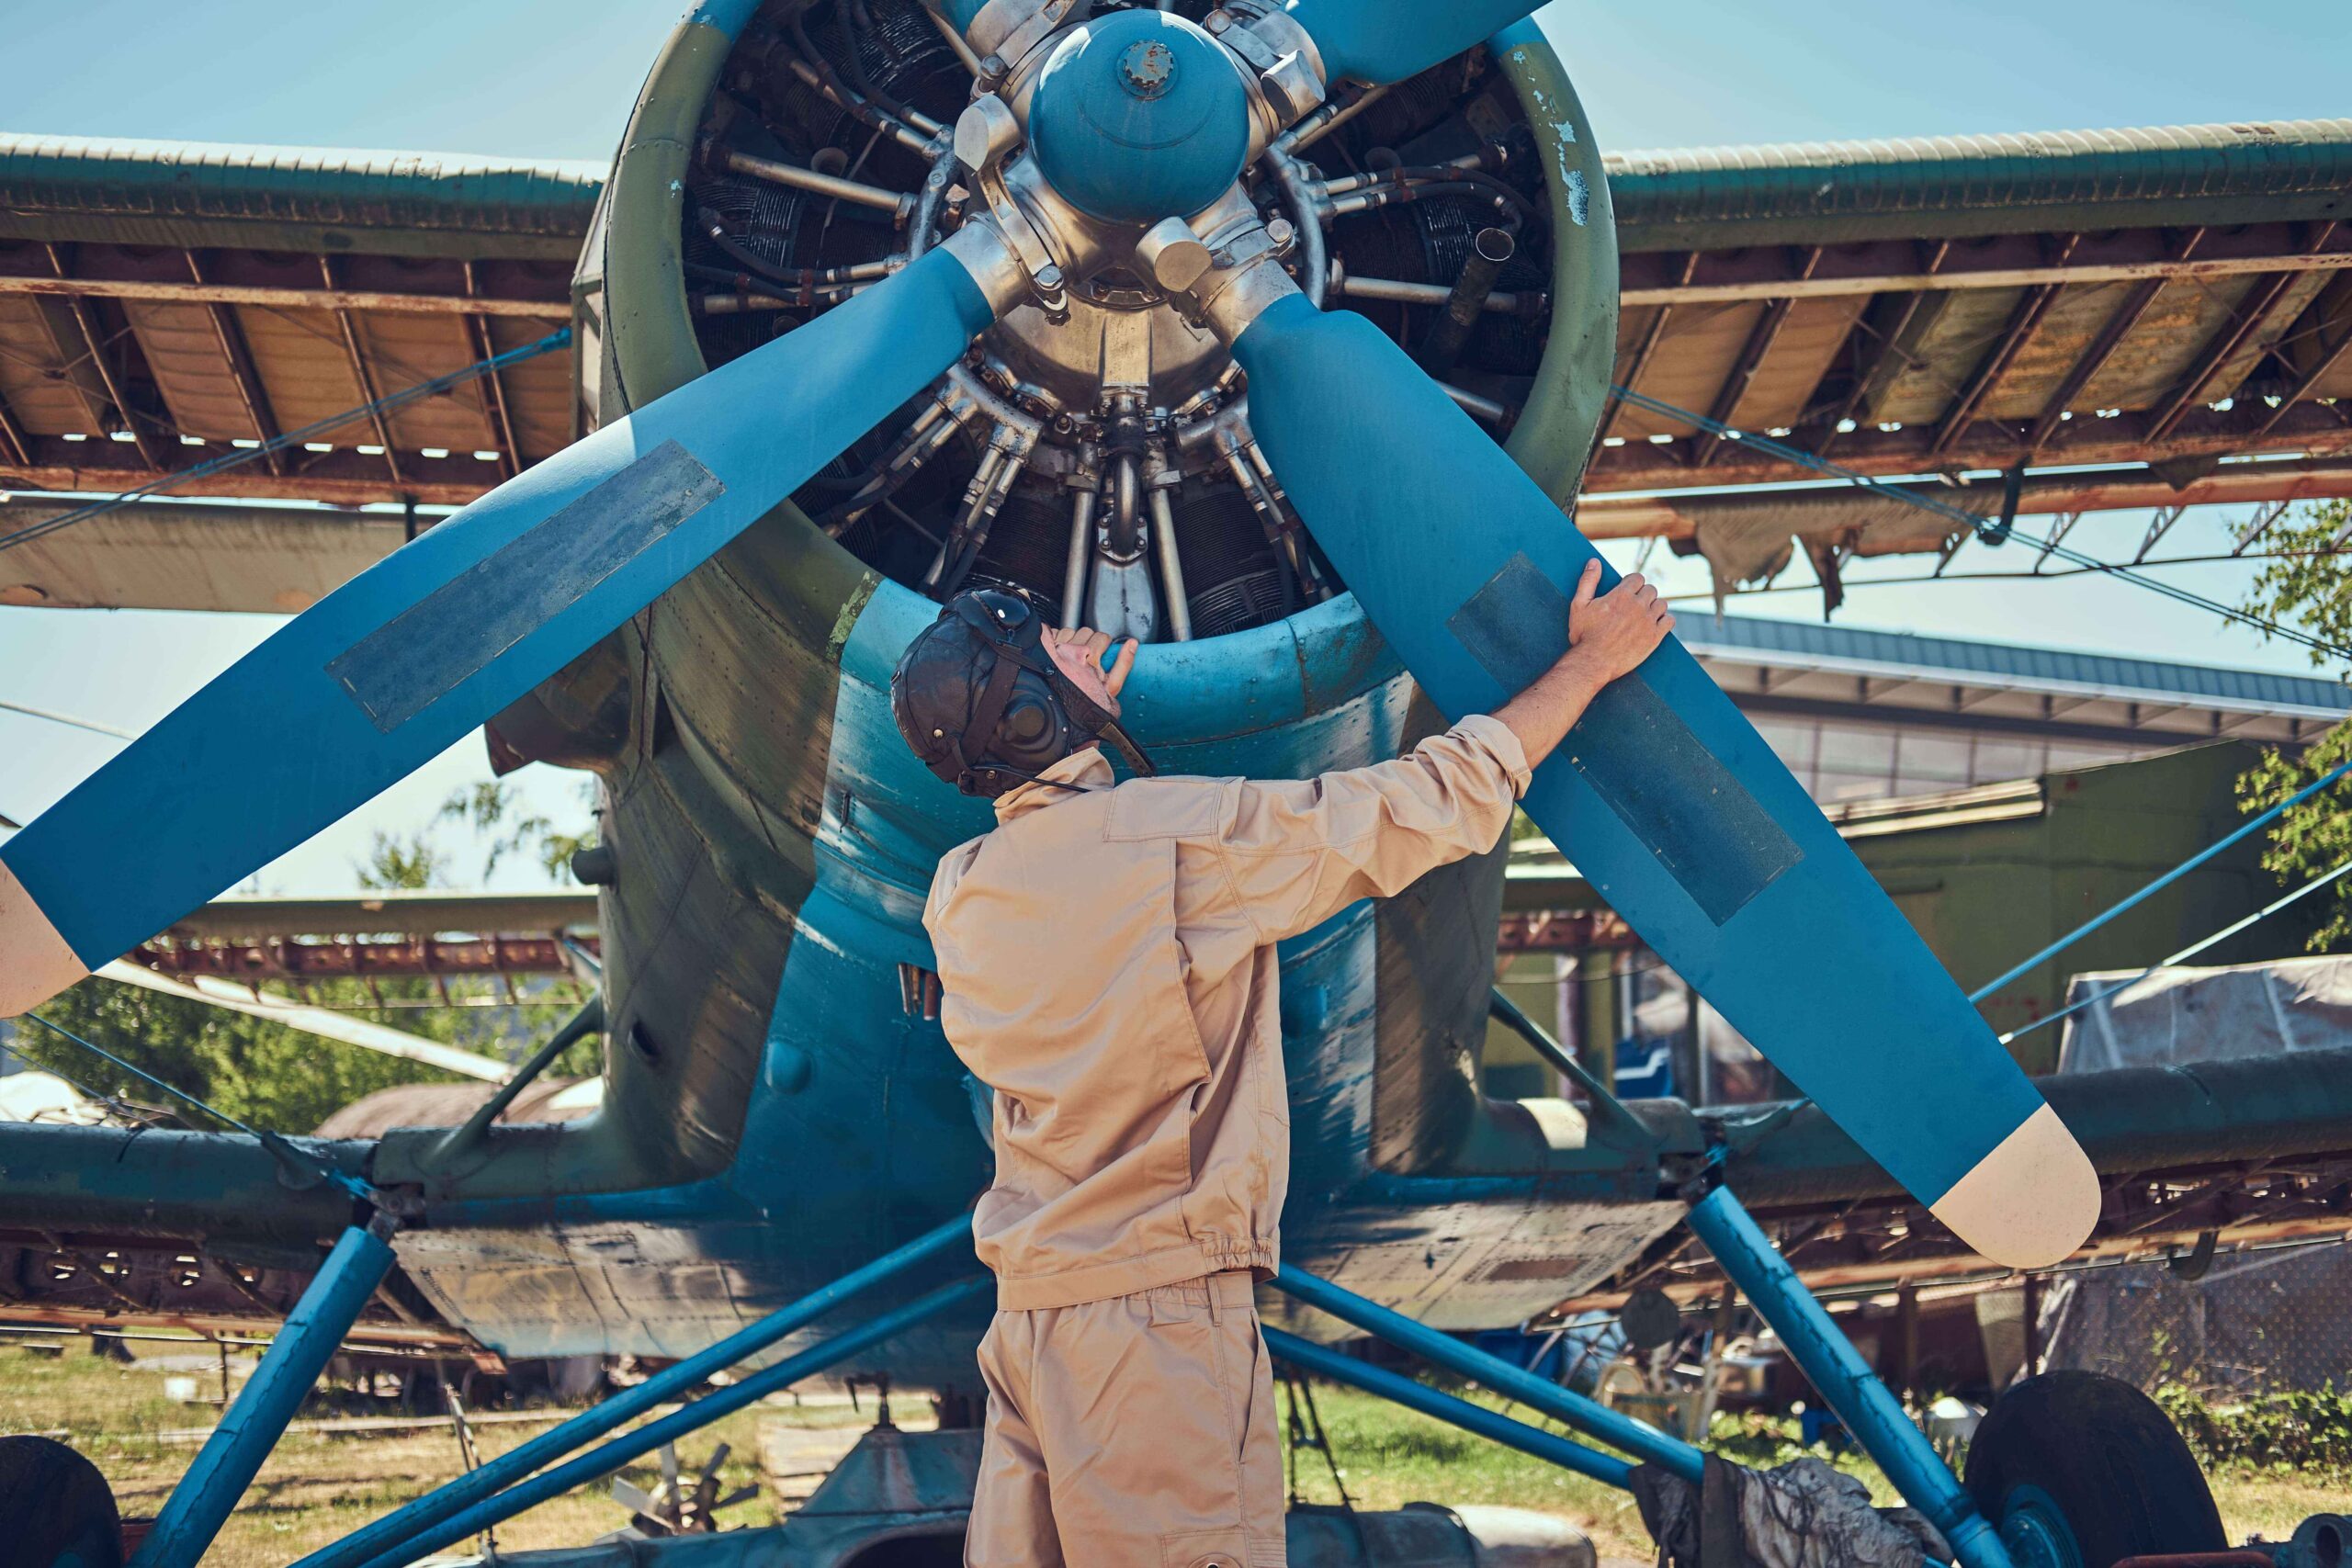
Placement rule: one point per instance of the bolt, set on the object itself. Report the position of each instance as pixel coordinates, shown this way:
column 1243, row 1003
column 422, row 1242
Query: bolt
column 1147, row 68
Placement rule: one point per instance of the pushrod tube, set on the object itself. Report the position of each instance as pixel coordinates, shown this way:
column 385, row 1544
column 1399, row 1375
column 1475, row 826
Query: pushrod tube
column 952, row 1238
column 1837, row 1370
column 599, row 1462
column 249, row 1429
column 1476, row 1419
column 1593, row 1419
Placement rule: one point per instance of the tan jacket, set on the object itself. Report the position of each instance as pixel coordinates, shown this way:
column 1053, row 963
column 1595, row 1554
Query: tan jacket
column 1108, row 961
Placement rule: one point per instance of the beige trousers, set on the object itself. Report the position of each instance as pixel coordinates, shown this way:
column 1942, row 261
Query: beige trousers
column 1136, row 1432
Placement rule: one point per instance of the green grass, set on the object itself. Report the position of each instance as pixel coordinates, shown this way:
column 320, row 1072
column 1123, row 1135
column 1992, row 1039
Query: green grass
column 315, row 1487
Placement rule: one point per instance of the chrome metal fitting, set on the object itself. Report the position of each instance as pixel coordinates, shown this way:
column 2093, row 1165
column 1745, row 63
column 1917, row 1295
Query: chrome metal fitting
column 1009, row 30
column 987, row 136
column 999, row 273
column 1244, row 275
column 1281, row 62
column 1171, row 255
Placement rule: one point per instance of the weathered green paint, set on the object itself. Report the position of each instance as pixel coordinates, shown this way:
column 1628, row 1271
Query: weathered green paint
column 186, row 194
column 1988, row 895
column 1831, row 193
column 1561, row 419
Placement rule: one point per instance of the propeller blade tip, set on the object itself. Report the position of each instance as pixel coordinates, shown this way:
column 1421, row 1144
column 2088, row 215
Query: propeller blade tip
column 2032, row 1201
column 35, row 963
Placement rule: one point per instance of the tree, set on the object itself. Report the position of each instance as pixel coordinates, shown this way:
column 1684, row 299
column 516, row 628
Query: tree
column 2308, row 583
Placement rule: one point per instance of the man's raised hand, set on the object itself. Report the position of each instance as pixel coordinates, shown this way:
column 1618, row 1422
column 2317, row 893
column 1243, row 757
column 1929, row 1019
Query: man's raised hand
column 1618, row 630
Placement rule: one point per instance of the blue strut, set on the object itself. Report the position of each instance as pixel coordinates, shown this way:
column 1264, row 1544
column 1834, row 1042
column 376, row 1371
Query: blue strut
column 1398, row 1389
column 953, row 1237
column 1592, row 1418
column 1837, row 1370
column 599, row 1462
column 200, row 1503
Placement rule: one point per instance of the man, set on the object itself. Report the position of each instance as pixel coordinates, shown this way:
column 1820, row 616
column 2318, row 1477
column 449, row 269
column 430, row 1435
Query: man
column 1107, row 957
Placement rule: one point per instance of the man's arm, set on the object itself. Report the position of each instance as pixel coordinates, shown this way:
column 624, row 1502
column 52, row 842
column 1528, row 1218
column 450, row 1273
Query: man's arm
column 1298, row 852
column 1608, row 637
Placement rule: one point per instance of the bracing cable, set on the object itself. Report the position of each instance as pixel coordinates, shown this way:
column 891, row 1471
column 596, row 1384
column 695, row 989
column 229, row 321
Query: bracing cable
column 390, row 402
column 2191, row 951
column 1983, row 527
column 276, row 1143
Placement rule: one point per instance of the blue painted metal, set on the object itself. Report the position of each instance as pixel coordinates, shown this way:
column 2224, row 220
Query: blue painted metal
column 959, row 13
column 2250, row 826
column 602, row 1461
column 950, row 1240
column 1140, row 116
column 214, row 790
column 1593, row 1419
column 1837, row 1370
column 1324, row 1363
column 249, row 1428
column 1734, row 916
column 1377, row 42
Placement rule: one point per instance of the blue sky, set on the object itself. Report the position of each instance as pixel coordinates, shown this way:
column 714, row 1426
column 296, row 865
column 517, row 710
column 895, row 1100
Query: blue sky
column 538, row 79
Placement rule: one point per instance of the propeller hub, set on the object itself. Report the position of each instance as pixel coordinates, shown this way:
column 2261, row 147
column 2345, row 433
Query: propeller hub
column 1139, row 115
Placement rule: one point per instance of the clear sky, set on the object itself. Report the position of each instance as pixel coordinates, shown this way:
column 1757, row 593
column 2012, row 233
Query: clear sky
column 535, row 78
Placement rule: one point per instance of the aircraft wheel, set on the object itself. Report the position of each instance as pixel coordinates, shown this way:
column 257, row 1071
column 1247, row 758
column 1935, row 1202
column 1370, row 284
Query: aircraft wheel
column 56, row 1510
column 2079, row 1471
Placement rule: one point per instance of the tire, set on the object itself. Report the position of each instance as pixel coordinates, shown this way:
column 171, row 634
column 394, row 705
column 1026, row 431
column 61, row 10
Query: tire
column 56, row 1510
column 2081, row 1462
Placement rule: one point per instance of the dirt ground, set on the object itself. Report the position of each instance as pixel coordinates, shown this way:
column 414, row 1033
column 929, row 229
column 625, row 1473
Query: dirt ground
column 320, row 1484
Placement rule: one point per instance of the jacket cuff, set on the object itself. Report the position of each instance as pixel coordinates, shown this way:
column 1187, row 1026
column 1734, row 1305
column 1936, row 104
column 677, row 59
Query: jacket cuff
column 1496, row 737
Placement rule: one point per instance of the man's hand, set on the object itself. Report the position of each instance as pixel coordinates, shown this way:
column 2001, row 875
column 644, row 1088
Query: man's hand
column 1079, row 655
column 1608, row 637
column 1620, row 628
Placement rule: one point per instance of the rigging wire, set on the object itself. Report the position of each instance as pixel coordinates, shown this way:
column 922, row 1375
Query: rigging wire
column 1984, row 527
column 276, row 1143
column 2191, row 951
column 2252, row 825
column 54, row 716
column 388, row 403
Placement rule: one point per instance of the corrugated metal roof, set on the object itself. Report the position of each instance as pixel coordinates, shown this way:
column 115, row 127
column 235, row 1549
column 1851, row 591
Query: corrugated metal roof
column 1907, row 656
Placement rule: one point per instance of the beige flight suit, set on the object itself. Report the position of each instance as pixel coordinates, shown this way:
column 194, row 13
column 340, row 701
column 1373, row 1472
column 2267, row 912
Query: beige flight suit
column 1107, row 956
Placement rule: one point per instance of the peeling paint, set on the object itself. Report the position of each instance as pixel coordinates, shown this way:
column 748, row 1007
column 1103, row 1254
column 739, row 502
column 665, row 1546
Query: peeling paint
column 847, row 620
column 1563, row 134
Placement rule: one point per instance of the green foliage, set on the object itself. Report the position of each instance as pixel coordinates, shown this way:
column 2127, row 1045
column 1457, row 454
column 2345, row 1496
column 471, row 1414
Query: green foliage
column 2292, row 1432
column 399, row 863
column 263, row 1072
column 493, row 811
column 2308, row 584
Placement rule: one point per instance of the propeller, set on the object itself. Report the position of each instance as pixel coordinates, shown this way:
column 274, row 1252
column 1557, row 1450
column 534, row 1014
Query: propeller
column 1380, row 41
column 1666, row 798
column 401, row 662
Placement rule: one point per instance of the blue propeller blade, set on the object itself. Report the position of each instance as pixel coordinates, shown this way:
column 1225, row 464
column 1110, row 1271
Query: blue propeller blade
column 1378, row 42
column 401, row 662
column 1663, row 795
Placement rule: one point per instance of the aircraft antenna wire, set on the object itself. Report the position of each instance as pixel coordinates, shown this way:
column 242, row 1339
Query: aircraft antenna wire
column 1983, row 527
column 238, row 458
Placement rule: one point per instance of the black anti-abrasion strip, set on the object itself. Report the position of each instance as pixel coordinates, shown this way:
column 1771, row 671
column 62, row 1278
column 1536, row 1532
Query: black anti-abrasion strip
column 420, row 655
column 1693, row 816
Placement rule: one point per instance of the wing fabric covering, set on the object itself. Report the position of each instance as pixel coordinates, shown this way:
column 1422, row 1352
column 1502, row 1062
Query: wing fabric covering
column 1663, row 795
column 406, row 659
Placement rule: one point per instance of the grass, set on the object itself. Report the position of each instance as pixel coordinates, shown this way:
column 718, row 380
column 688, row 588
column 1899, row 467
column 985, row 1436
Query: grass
column 316, row 1487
